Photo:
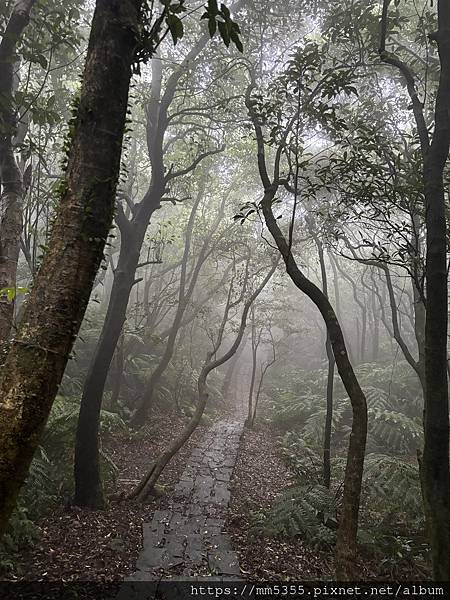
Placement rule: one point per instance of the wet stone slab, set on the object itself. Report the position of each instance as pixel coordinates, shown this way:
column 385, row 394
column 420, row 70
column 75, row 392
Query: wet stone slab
column 189, row 535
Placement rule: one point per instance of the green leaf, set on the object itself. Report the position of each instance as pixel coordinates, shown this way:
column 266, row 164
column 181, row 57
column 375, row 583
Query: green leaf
column 236, row 40
column 42, row 60
column 213, row 9
column 11, row 292
column 225, row 11
column 224, row 33
column 176, row 27
column 212, row 26
column 74, row 14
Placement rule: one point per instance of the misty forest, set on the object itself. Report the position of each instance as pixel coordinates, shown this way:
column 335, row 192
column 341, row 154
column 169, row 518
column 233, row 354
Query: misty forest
column 224, row 238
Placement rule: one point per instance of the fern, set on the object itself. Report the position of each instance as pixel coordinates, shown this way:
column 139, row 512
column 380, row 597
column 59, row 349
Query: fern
column 395, row 430
column 304, row 459
column 20, row 530
column 394, row 423
column 396, row 482
column 306, row 511
column 391, row 511
column 394, row 409
column 50, row 473
column 392, row 520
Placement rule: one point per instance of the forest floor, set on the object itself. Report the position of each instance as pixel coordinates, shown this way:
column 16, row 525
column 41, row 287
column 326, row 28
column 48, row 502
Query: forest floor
column 82, row 545
column 260, row 477
column 76, row 544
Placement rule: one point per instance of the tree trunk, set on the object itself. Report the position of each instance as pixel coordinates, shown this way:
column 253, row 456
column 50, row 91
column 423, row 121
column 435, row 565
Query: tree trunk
column 435, row 468
column 348, row 528
column 331, row 362
column 337, row 296
column 363, row 332
column 35, row 363
column 376, row 330
column 88, row 490
column 328, row 417
column 261, row 380
column 362, row 305
column 116, row 383
column 185, row 294
column 255, row 344
column 231, row 372
column 88, row 487
column 11, row 179
column 347, row 534
column 434, row 464
column 330, row 382
column 146, row 486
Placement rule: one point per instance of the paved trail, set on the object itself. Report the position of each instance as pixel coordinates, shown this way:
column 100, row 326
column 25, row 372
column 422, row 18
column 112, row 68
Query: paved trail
column 187, row 539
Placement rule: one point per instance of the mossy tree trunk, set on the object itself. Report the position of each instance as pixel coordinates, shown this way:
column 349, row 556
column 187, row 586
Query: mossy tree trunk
column 38, row 355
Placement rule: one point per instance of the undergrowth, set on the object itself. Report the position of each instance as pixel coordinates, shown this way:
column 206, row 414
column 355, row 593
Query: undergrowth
column 50, row 477
column 391, row 521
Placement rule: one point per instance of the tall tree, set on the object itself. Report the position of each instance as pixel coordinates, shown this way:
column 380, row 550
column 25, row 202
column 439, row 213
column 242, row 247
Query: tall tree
column 434, row 464
column 185, row 291
column 212, row 362
column 11, row 176
column 133, row 230
column 38, row 355
column 347, row 534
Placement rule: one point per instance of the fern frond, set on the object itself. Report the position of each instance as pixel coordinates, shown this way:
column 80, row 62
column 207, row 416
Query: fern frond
column 306, row 511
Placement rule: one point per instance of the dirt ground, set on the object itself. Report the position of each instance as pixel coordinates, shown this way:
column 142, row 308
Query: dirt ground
column 74, row 544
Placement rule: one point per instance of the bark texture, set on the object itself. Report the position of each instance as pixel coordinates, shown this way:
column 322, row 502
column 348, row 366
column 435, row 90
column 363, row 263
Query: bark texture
column 435, row 468
column 35, row 363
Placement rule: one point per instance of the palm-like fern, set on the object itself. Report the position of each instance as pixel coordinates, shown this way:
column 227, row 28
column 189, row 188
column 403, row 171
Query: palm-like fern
column 50, row 472
column 394, row 421
column 391, row 489
column 307, row 511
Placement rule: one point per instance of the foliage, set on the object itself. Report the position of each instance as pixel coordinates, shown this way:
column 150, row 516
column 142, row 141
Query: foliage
column 21, row 530
column 51, row 472
column 339, row 129
column 391, row 513
column 394, row 408
column 308, row 511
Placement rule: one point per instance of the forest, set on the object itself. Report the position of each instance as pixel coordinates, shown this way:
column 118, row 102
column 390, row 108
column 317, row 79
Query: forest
column 224, row 244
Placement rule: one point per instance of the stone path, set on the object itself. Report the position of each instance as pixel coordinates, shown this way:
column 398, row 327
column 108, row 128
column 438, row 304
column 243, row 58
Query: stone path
column 186, row 539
